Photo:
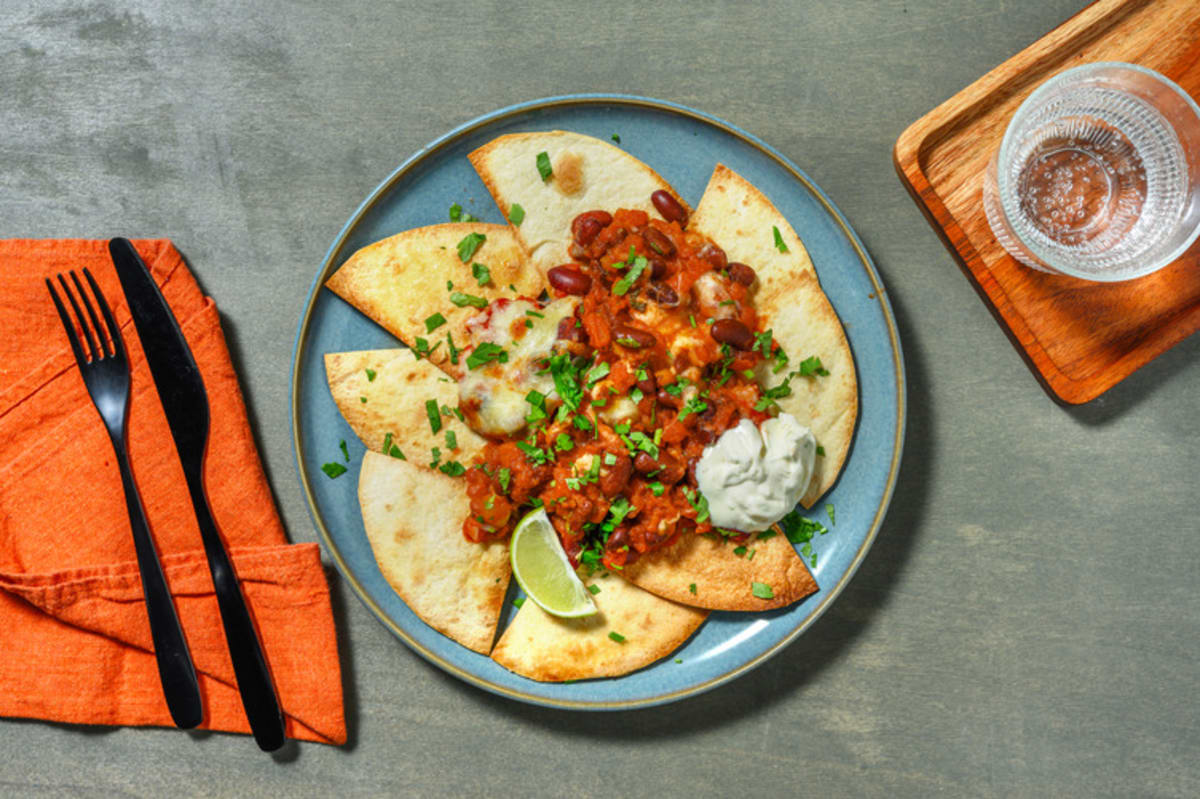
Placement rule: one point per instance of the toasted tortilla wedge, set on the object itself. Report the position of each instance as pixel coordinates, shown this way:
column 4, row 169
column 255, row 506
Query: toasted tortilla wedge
column 400, row 282
column 413, row 519
column 549, row 649
column 790, row 302
column 723, row 580
column 394, row 402
column 588, row 174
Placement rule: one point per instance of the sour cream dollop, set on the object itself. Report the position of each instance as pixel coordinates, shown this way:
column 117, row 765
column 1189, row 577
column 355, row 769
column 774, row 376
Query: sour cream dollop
column 753, row 478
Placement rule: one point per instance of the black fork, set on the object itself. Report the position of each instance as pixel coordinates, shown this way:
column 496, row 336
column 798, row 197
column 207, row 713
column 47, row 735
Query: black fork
column 105, row 369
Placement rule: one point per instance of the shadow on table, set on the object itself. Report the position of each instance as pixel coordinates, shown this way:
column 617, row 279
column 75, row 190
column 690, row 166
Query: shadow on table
column 1139, row 386
column 828, row 641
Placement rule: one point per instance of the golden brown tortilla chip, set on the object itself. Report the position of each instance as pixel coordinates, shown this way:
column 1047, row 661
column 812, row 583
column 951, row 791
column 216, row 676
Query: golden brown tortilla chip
column 587, row 174
column 549, row 649
column 401, row 281
column 790, row 302
column 394, row 402
column 723, row 580
column 413, row 519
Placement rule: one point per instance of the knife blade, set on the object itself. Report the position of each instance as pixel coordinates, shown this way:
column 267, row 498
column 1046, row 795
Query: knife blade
column 185, row 403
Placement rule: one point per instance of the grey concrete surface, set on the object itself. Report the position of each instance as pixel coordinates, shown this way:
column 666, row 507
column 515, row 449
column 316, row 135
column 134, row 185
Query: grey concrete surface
column 1026, row 625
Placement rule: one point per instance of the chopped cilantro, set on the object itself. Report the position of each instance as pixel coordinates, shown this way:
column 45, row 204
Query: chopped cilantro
column 616, row 636
column 763, row 343
column 765, row 534
column 597, row 373
column 635, row 271
column 451, row 440
column 762, row 590
column 452, row 468
column 371, row 375
column 593, row 589
column 469, row 244
column 779, row 245
column 422, row 349
column 657, row 488
column 628, row 342
column 460, row 299
column 395, row 452
column 800, row 530
column 437, row 457
column 345, row 451
column 387, row 442
column 482, row 274
column 566, row 380
column 435, row 418
column 457, row 214
column 820, row 450
column 504, row 476
column 582, row 422
column 453, row 349
column 516, row 214
column 518, row 602
column 812, row 366
column 535, row 313
column 434, row 322
column 533, row 454
column 486, row 352
column 636, row 395
column 564, row 443
column 692, row 588
column 829, row 512
column 333, row 469
column 543, row 166
column 694, row 405
column 617, row 138
column 363, row 400
column 676, row 389
column 739, row 551
column 699, row 503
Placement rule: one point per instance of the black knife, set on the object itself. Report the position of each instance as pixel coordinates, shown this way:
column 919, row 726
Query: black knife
column 185, row 403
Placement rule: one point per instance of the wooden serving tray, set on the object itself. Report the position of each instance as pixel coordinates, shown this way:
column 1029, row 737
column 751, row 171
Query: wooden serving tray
column 1080, row 338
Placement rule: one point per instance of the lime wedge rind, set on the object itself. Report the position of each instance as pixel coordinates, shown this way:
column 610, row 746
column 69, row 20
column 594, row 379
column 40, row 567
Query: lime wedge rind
column 542, row 570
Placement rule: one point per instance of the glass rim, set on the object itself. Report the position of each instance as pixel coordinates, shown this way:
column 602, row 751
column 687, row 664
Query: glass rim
column 1005, row 193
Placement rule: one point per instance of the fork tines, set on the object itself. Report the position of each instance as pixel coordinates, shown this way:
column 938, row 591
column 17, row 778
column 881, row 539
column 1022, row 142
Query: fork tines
column 99, row 346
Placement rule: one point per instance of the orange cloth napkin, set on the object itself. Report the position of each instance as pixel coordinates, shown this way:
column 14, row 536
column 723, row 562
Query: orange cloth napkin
column 76, row 645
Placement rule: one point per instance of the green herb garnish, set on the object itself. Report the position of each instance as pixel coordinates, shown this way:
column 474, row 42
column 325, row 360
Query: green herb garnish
column 616, row 636
column 333, row 469
column 482, row 274
column 516, row 214
column 543, row 166
column 434, row 322
column 779, row 245
column 762, row 590
column 469, row 244
column 486, row 352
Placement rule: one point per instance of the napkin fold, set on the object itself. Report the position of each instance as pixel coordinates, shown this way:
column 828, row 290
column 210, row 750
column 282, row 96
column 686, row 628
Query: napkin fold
column 76, row 643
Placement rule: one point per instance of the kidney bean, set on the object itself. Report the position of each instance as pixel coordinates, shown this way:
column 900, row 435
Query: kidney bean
column 670, row 400
column 733, row 333
column 669, row 207
column 662, row 294
column 569, row 280
column 714, row 255
column 740, row 273
column 569, row 330
column 619, row 538
column 585, row 226
column 658, row 268
column 658, row 242
column 648, row 385
column 644, row 464
column 644, row 338
column 673, row 469
column 614, row 478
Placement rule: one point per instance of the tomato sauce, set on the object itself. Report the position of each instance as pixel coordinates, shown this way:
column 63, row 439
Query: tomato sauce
column 660, row 361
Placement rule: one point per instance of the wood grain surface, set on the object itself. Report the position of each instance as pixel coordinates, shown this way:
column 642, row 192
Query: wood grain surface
column 1080, row 337
column 1027, row 623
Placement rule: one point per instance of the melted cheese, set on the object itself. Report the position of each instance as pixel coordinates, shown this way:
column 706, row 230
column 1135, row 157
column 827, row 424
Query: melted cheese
column 500, row 389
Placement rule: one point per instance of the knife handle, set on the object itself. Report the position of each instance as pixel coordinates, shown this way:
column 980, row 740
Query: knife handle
column 249, row 665
column 175, row 669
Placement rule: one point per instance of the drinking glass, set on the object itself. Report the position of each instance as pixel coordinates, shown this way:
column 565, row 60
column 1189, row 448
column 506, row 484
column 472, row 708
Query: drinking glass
column 1098, row 174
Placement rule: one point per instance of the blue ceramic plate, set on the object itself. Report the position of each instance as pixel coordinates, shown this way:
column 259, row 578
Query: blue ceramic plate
column 682, row 145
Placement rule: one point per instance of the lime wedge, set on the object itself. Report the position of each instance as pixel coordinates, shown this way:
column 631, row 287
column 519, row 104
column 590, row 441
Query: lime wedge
column 543, row 571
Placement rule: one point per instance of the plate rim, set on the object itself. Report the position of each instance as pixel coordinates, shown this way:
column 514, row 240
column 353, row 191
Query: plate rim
column 431, row 149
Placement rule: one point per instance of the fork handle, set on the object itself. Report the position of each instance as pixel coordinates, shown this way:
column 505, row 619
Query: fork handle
column 249, row 665
column 175, row 669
